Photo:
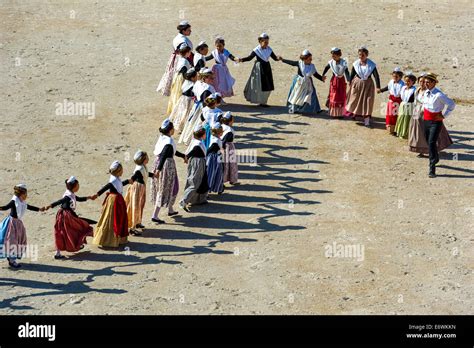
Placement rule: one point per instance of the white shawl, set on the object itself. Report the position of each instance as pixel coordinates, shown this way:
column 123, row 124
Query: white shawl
column 182, row 62
column 179, row 39
column 307, row 70
column 72, row 196
column 20, row 206
column 338, row 68
column 406, row 93
column 227, row 129
column 216, row 140
column 364, row 72
column 164, row 140
column 263, row 53
column 395, row 88
column 221, row 58
column 200, row 87
column 194, row 143
column 115, row 180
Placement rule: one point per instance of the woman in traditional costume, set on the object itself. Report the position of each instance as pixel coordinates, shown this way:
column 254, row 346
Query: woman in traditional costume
column 214, row 162
column 196, row 189
column 405, row 111
column 13, row 243
column 165, row 185
column 70, row 230
column 260, row 83
column 302, row 97
column 223, row 80
column 181, row 69
column 394, row 87
column 184, row 29
column 136, row 194
column 185, row 103
column 202, row 89
column 361, row 95
column 112, row 228
column 336, row 101
column 231, row 170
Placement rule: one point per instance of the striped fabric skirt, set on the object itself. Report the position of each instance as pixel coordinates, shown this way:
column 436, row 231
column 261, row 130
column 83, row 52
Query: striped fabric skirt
column 13, row 241
column 231, row 168
column 181, row 112
column 215, row 172
column 166, row 80
column 175, row 93
column 191, row 122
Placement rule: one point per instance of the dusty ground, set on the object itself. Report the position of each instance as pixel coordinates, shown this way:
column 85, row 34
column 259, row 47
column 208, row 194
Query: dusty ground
column 260, row 247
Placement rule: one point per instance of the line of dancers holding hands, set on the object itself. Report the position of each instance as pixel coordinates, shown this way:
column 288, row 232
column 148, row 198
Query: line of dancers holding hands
column 211, row 162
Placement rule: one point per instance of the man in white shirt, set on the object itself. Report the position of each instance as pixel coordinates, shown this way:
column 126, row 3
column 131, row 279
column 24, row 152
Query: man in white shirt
column 434, row 102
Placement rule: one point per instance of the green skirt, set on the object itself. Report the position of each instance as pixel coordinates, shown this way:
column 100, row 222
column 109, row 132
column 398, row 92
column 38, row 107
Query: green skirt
column 403, row 121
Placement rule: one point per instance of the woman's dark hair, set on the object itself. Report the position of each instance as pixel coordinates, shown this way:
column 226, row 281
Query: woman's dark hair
column 182, row 28
column 337, row 52
column 190, row 74
column 168, row 129
column 399, row 73
column 198, row 134
column 365, row 50
column 215, row 131
column 71, row 185
column 219, row 41
column 411, row 77
column 183, row 51
column 303, row 57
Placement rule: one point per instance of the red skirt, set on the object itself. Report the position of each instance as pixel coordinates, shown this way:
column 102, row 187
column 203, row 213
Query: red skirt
column 392, row 110
column 70, row 231
column 336, row 101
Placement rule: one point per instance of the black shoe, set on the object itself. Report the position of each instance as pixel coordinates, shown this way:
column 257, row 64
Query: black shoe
column 139, row 226
column 158, row 221
column 432, row 175
column 59, row 257
column 420, row 155
column 173, row 213
column 81, row 247
column 135, row 233
column 264, row 105
column 14, row 264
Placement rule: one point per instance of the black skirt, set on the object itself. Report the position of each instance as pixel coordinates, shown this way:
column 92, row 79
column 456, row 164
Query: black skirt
column 266, row 75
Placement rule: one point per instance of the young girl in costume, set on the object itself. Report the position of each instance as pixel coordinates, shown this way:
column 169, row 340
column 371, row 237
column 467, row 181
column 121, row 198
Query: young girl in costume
column 184, row 29
column 13, row 242
column 165, row 185
column 231, row 170
column 70, row 230
column 182, row 67
column 214, row 162
column 196, row 189
column 336, row 101
column 201, row 56
column 394, row 87
column 186, row 101
column 260, row 83
column 223, row 80
column 112, row 228
column 210, row 115
column 302, row 97
column 361, row 94
column 405, row 111
column 136, row 194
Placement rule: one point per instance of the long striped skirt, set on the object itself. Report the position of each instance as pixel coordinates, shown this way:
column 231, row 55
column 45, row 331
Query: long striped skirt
column 215, row 172
column 164, row 189
column 231, row 168
column 135, row 200
column 166, row 80
column 13, row 241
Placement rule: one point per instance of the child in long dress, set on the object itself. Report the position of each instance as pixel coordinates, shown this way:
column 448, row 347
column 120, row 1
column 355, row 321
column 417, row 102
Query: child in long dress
column 182, row 67
column 260, row 82
column 112, row 228
column 394, row 87
column 165, row 185
column 13, row 241
column 302, row 97
column 196, row 189
column 223, row 80
column 136, row 194
column 405, row 111
column 231, row 170
column 336, row 101
column 214, row 162
column 210, row 115
column 185, row 103
column 70, row 230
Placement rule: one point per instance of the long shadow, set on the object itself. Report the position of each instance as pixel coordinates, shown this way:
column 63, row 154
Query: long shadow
column 464, row 170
